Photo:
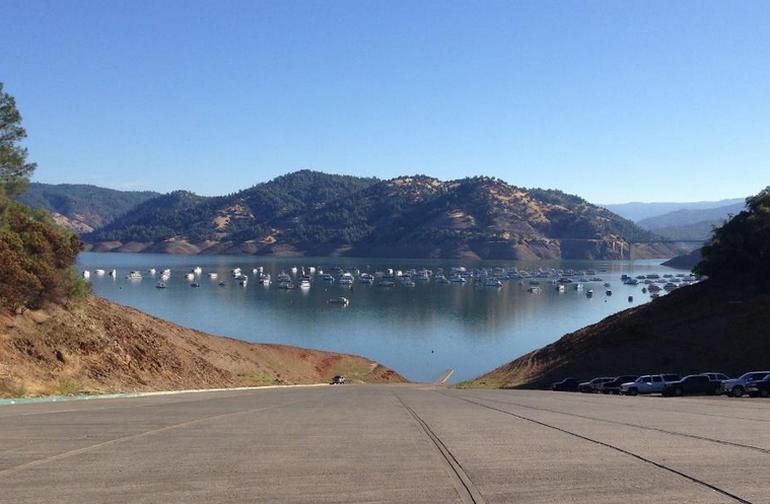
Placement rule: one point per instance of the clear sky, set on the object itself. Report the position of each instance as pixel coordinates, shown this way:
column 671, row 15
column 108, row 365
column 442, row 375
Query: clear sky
column 614, row 101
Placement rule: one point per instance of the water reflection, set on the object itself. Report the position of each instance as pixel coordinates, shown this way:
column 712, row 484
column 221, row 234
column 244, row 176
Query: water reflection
column 420, row 330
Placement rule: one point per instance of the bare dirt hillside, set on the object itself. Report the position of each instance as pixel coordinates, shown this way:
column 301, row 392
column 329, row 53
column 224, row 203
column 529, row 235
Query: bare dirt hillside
column 694, row 329
column 97, row 346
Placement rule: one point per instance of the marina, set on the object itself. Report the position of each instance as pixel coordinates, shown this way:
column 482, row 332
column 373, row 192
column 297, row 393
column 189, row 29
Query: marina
column 418, row 316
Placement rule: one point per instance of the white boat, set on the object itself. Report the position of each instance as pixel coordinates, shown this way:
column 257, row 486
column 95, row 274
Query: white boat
column 560, row 288
column 166, row 272
column 264, row 279
column 113, row 273
column 161, row 285
column 343, row 301
column 190, row 276
column 590, row 293
column 134, row 275
column 283, row 277
column 236, row 272
column 99, row 272
column 346, row 279
column 534, row 290
column 151, row 271
column 197, row 270
column 243, row 280
column 366, row 279
column 304, row 284
column 213, row 276
column 86, row 274
column 326, row 277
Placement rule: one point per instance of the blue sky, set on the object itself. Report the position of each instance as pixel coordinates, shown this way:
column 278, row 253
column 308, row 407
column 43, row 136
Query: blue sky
column 614, row 101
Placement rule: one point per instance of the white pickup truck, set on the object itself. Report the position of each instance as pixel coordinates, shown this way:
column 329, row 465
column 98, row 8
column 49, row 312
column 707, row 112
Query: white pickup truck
column 648, row 384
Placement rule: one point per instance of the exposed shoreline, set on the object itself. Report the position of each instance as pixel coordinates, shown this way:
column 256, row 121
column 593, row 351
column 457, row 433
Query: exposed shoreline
column 97, row 346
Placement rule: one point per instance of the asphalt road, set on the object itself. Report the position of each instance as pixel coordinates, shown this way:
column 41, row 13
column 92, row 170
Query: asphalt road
column 392, row 443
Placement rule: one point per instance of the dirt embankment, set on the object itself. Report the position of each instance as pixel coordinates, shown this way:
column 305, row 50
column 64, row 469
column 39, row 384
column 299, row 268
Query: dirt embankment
column 694, row 329
column 98, row 346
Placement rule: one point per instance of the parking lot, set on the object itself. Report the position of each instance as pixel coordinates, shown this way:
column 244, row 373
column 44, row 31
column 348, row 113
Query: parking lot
column 391, row 443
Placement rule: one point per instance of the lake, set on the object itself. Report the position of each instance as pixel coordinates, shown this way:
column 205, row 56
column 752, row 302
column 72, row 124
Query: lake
column 419, row 331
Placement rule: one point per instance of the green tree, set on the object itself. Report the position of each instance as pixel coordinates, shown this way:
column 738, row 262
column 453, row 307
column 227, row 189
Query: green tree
column 741, row 247
column 14, row 168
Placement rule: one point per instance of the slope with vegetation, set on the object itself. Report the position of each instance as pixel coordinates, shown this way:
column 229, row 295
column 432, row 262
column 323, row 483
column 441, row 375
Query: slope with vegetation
column 57, row 338
column 311, row 213
column 82, row 208
column 720, row 324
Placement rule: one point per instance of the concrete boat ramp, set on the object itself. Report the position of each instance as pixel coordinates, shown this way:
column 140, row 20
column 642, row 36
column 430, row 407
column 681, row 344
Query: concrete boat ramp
column 389, row 443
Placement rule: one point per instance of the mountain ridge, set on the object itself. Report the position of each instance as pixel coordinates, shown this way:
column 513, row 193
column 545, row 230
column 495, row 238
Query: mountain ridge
column 313, row 213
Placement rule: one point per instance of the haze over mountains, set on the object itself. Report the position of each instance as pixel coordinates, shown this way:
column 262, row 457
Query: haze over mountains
column 82, row 208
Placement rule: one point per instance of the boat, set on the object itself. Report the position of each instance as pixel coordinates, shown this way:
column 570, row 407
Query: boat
column 195, row 285
column 283, row 277
column 99, row 272
column 366, row 279
column 285, row 285
column 86, row 274
column 113, row 273
column 342, row 301
column 243, row 280
column 236, row 272
column 608, row 292
column 222, row 283
column 134, row 275
column 326, row 277
column 590, row 293
column 213, row 276
column 151, row 271
column 161, row 285
column 264, row 279
column 386, row 283
column 560, row 288
column 304, row 284
column 630, row 299
column 441, row 279
column 346, row 279
column 190, row 276
column 407, row 282
column 493, row 282
column 197, row 270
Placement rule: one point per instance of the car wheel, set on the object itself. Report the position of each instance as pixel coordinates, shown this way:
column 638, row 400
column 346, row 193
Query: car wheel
column 738, row 391
column 678, row 391
column 763, row 392
column 632, row 391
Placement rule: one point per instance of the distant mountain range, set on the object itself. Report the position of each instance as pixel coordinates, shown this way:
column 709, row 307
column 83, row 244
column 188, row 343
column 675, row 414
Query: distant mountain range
column 637, row 211
column 82, row 208
column 313, row 213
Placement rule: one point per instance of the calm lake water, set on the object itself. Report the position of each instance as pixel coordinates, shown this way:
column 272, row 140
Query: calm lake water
column 419, row 331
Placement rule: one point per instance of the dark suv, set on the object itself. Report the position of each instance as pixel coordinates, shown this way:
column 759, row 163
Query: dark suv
column 593, row 385
column 613, row 387
column 566, row 385
column 692, row 385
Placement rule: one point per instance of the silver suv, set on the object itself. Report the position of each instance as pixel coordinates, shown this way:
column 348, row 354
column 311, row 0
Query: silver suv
column 737, row 386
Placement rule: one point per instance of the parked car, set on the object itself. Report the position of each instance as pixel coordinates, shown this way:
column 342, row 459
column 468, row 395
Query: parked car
column 692, row 385
column 592, row 385
column 566, row 385
column 338, row 380
column 648, row 384
column 613, row 387
column 759, row 388
column 737, row 386
column 720, row 377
